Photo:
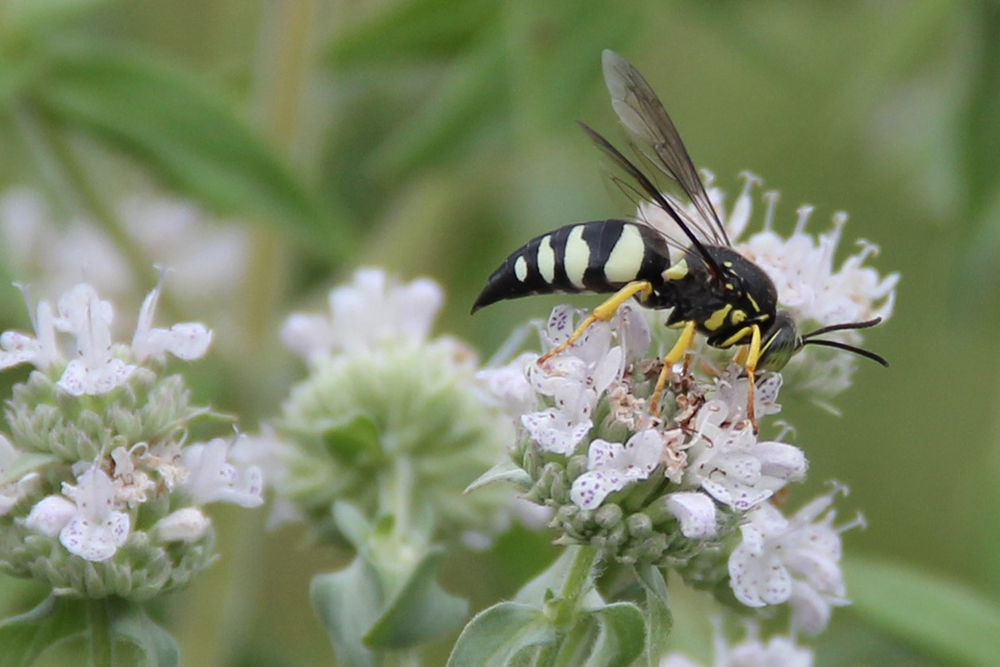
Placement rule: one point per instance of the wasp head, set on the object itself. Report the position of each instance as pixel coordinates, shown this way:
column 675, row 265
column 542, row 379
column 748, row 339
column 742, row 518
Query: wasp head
column 782, row 341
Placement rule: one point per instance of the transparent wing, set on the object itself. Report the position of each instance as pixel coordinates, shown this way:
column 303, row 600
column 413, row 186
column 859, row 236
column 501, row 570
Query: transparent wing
column 643, row 115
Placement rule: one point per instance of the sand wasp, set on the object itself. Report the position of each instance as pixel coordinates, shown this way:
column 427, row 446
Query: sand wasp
column 711, row 287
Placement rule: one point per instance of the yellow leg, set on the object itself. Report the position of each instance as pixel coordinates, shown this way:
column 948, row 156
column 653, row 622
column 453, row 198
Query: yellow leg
column 603, row 313
column 750, row 364
column 675, row 354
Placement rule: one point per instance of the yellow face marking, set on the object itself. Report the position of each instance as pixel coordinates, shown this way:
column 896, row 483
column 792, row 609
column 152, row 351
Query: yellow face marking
column 717, row 318
column 577, row 257
column 736, row 337
column 521, row 268
column 546, row 260
column 728, row 265
column 729, row 286
column 737, row 316
column 753, row 303
column 678, row 271
column 626, row 257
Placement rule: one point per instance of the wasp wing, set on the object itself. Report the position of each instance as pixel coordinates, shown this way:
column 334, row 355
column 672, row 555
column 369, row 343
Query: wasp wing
column 643, row 115
column 651, row 192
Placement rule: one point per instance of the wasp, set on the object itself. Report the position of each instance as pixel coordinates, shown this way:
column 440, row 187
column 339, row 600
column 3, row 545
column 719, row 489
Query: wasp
column 711, row 288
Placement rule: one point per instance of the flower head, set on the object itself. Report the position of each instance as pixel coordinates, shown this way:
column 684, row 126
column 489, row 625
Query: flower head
column 105, row 489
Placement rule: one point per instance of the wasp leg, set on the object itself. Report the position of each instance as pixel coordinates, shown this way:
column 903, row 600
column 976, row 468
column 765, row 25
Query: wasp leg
column 750, row 364
column 603, row 313
column 675, row 354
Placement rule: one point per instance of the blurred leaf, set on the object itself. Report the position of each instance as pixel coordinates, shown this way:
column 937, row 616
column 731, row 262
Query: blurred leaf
column 622, row 638
column 555, row 55
column 172, row 124
column 130, row 621
column 347, row 603
column 497, row 635
column 24, row 638
column 353, row 524
column 472, row 97
column 414, row 29
column 505, row 471
column 421, row 611
column 38, row 15
column 982, row 141
column 949, row 620
column 659, row 620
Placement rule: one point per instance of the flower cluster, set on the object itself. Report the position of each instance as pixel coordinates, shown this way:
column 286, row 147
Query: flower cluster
column 102, row 493
column 386, row 406
column 694, row 487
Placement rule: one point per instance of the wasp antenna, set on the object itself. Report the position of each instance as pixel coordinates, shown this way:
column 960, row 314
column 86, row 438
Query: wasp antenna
column 867, row 324
column 867, row 354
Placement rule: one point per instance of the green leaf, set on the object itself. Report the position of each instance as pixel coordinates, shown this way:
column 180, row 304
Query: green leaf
column 25, row 463
column 25, row 637
column 347, row 603
column 353, row 524
column 658, row 618
column 498, row 634
column 421, row 611
column 129, row 621
column 955, row 623
column 172, row 124
column 622, row 638
column 413, row 30
column 549, row 583
column 505, row 471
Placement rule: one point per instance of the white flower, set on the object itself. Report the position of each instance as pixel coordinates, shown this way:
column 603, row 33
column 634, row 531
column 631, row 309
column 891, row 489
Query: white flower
column 96, row 530
column 612, row 466
column 696, row 513
column 187, row 340
column 735, row 469
column 95, row 370
column 211, row 478
column 732, row 390
column 370, row 312
column 185, row 525
column 50, row 515
column 779, row 651
column 96, row 367
column 17, row 348
column 210, row 256
column 794, row 560
column 508, row 385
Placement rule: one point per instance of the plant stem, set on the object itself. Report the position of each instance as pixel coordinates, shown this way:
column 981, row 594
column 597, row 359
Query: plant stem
column 578, row 581
column 100, row 633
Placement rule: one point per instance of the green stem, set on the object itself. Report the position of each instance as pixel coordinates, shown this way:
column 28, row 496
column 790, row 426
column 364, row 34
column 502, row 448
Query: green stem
column 578, row 581
column 410, row 658
column 99, row 621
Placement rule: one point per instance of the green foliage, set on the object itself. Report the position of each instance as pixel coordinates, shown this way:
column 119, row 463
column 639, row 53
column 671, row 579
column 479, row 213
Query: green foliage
column 135, row 637
column 946, row 619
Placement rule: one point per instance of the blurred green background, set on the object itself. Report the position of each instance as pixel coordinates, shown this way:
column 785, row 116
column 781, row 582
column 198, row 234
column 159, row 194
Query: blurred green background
column 433, row 137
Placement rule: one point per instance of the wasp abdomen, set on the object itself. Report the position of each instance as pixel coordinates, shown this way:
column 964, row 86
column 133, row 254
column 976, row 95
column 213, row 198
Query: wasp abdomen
column 600, row 256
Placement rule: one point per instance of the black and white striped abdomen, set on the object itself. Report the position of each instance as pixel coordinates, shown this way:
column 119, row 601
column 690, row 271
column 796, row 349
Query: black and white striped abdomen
column 601, row 256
